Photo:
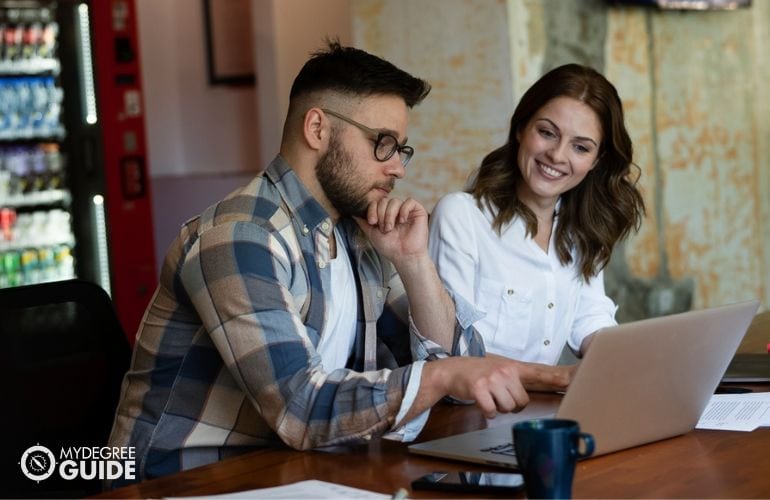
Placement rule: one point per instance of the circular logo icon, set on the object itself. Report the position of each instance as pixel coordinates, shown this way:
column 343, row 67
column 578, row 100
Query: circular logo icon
column 37, row 463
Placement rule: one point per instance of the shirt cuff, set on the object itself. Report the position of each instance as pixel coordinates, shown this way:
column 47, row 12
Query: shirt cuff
column 469, row 342
column 590, row 325
column 465, row 312
column 411, row 429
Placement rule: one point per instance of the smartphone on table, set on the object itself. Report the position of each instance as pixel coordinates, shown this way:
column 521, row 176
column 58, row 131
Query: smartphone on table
column 471, row 482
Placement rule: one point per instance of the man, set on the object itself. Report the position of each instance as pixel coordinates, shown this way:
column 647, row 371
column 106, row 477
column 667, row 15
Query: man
column 283, row 312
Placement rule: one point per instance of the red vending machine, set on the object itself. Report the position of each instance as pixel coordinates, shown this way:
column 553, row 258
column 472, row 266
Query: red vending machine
column 74, row 190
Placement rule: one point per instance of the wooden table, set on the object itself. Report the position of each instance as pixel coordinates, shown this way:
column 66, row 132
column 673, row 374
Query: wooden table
column 701, row 464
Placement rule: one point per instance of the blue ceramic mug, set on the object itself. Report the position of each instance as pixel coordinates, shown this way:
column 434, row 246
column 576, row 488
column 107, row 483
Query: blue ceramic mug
column 547, row 450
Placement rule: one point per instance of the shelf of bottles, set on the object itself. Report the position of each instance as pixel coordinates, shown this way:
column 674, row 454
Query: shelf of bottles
column 36, row 238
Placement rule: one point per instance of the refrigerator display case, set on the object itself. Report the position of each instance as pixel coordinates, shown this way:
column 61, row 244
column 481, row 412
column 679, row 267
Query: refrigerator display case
column 75, row 199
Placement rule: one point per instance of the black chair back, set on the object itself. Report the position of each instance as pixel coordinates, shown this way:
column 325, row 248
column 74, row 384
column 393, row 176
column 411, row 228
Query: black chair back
column 62, row 359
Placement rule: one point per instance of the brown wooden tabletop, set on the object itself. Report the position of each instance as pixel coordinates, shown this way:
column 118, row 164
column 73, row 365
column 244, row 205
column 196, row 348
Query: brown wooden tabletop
column 700, row 464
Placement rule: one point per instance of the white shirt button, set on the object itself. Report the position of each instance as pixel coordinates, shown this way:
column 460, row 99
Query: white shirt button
column 325, row 226
column 322, row 264
column 550, row 305
column 546, row 342
column 510, row 291
column 305, row 230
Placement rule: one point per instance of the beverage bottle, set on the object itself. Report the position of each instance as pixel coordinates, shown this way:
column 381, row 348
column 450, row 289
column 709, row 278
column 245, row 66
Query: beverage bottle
column 2, row 41
column 9, row 107
column 12, row 265
column 7, row 224
column 12, row 36
column 5, row 185
column 5, row 178
column 47, row 264
column 54, row 165
column 38, row 169
column 30, row 270
column 18, row 165
column 6, row 107
column 65, row 264
column 3, row 276
column 38, row 107
column 53, row 106
column 47, row 47
column 31, row 34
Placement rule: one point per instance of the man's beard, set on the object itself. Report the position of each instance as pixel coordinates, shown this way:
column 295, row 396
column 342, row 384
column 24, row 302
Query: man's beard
column 336, row 174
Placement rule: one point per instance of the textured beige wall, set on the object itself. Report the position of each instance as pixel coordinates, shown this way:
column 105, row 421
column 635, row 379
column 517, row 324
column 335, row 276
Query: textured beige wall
column 694, row 89
column 689, row 85
column 459, row 46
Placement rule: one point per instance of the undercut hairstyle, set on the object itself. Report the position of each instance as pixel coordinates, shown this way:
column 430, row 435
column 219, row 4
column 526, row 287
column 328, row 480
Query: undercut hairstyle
column 598, row 212
column 351, row 71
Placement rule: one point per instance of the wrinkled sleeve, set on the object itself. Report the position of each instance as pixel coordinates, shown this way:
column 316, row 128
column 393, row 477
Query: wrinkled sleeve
column 594, row 311
column 410, row 430
column 467, row 341
column 248, row 286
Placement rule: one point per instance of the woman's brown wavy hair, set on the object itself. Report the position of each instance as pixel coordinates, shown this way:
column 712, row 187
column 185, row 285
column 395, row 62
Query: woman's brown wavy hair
column 598, row 212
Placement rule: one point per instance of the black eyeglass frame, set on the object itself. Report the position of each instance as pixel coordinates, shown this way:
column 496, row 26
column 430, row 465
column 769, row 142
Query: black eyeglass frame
column 405, row 152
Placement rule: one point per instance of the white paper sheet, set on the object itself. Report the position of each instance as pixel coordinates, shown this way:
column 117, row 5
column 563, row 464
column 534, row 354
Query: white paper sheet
column 736, row 412
column 301, row 490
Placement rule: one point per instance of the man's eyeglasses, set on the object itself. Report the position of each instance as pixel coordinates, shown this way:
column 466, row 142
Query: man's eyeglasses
column 385, row 145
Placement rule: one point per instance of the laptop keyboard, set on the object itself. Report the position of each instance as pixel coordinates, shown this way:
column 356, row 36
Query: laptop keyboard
column 506, row 449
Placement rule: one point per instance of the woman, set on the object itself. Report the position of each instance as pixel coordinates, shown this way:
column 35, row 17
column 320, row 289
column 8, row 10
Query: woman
column 528, row 241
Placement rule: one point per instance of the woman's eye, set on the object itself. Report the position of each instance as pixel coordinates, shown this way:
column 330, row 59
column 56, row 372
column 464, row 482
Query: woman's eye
column 581, row 149
column 546, row 133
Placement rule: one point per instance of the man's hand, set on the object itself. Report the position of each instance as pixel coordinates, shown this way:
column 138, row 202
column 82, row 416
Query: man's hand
column 493, row 383
column 497, row 384
column 397, row 229
column 540, row 377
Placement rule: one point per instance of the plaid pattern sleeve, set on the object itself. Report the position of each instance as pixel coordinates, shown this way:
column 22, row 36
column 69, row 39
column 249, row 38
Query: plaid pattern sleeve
column 225, row 357
column 467, row 340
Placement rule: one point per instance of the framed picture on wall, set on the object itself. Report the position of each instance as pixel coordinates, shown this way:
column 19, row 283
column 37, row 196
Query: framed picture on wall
column 229, row 42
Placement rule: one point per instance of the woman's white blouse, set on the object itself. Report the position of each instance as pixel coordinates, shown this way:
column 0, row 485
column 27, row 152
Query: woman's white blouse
column 533, row 304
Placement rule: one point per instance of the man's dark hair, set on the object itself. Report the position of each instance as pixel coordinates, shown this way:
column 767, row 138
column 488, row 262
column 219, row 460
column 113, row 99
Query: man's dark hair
column 349, row 70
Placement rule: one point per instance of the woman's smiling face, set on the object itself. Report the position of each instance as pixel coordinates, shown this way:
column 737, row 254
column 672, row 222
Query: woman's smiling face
column 557, row 148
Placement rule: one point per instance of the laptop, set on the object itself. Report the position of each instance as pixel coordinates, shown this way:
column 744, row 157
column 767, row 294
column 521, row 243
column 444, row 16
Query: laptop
column 748, row 368
column 639, row 382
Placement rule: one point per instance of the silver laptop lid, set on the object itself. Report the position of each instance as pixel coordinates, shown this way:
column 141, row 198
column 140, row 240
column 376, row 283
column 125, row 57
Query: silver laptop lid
column 639, row 382
column 651, row 379
column 748, row 367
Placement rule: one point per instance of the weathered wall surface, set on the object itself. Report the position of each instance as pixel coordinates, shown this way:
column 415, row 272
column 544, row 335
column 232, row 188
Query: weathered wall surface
column 694, row 90
column 461, row 47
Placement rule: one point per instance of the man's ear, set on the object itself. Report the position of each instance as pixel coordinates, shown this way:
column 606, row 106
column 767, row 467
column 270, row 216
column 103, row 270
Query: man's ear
column 315, row 129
